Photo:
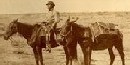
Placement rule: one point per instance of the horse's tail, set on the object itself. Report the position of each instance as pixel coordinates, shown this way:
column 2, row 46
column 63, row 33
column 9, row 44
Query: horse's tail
column 120, row 41
column 91, row 35
column 121, row 37
column 120, row 34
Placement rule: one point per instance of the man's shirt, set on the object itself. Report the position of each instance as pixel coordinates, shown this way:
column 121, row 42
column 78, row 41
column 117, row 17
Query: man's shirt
column 53, row 17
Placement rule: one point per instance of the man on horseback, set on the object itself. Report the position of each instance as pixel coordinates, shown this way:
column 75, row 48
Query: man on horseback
column 45, row 31
column 53, row 17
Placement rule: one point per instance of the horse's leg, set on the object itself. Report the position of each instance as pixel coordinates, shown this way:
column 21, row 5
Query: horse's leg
column 122, row 55
column 70, row 60
column 87, row 54
column 73, row 55
column 36, row 55
column 120, row 50
column 67, row 55
column 112, row 56
column 40, row 55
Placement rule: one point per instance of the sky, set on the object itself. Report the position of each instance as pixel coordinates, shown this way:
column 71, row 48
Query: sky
column 39, row 6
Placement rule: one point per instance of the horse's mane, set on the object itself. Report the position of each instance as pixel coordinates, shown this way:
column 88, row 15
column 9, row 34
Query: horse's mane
column 25, row 25
column 78, row 27
column 25, row 29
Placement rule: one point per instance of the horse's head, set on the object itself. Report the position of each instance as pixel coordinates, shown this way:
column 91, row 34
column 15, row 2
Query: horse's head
column 95, row 24
column 70, row 22
column 67, row 28
column 11, row 29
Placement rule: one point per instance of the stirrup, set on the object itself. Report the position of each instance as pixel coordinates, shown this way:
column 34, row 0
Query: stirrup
column 47, row 49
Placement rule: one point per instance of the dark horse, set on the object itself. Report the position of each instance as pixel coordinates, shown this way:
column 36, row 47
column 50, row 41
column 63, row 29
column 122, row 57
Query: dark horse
column 73, row 33
column 26, row 31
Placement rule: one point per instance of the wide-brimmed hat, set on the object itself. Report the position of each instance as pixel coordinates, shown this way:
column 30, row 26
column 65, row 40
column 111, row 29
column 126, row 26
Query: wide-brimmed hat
column 50, row 3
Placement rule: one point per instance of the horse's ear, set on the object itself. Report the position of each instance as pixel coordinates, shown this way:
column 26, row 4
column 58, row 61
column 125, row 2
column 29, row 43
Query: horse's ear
column 15, row 20
column 74, row 19
column 68, row 19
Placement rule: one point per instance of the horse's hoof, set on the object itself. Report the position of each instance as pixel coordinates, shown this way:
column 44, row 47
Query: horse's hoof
column 49, row 51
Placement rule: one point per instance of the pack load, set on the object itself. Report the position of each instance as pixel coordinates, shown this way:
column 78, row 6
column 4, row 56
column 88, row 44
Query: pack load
column 103, row 28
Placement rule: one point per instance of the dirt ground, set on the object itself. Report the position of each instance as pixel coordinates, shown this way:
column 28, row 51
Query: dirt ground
column 21, row 54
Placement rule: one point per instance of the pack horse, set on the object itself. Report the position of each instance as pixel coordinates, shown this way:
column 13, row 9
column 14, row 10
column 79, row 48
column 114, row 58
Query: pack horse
column 73, row 34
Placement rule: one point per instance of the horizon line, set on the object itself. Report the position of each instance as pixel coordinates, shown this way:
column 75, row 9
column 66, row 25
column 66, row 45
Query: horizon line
column 60, row 12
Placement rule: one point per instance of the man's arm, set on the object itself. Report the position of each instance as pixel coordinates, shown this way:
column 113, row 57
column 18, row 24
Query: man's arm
column 57, row 17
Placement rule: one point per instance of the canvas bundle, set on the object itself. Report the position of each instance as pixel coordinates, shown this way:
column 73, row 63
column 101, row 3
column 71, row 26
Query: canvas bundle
column 103, row 28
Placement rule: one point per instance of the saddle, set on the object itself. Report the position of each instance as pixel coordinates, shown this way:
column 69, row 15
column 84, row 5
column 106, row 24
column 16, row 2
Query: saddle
column 42, row 30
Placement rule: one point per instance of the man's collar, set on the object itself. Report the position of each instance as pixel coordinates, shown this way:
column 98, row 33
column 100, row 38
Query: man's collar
column 51, row 9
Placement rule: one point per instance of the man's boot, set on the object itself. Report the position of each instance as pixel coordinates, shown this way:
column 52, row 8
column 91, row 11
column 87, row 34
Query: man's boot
column 48, row 48
column 53, row 41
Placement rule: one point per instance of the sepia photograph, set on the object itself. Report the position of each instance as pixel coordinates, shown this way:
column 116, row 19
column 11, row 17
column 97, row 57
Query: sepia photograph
column 64, row 32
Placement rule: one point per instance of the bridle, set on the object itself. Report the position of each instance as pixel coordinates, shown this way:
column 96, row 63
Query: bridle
column 69, row 32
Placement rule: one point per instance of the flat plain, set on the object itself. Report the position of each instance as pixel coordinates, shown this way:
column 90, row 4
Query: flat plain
column 21, row 54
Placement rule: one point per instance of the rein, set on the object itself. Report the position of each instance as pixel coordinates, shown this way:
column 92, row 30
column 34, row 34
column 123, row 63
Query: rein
column 65, row 35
